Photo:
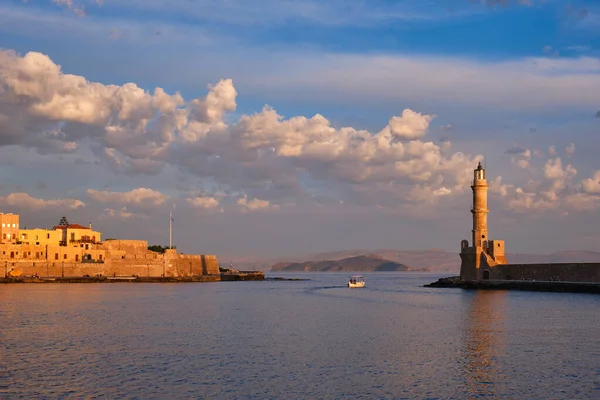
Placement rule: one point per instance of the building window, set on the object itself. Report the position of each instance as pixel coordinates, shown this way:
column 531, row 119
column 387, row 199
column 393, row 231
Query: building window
column 100, row 257
column 4, row 225
column 8, row 235
column 36, row 237
column 56, row 256
column 4, row 236
column 64, row 256
column 76, row 257
column 14, row 225
column 47, row 236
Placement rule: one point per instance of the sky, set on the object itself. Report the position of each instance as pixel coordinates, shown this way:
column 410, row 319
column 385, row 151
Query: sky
column 278, row 128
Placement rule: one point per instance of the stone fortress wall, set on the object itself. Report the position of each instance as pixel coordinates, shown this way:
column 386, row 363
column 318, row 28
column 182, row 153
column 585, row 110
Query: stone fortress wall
column 119, row 258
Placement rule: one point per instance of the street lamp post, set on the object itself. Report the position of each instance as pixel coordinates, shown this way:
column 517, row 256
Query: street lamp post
column 63, row 269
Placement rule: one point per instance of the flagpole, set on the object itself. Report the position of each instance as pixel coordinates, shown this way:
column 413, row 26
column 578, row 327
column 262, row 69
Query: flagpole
column 170, row 230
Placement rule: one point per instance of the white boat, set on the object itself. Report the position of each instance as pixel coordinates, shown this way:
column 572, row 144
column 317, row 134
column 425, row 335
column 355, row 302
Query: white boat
column 356, row 281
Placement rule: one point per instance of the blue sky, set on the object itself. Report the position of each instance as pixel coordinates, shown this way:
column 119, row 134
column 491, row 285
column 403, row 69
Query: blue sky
column 494, row 76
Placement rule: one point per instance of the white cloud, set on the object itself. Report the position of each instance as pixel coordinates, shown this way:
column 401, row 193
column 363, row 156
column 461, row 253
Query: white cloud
column 442, row 191
column 410, row 126
column 555, row 190
column 136, row 197
column 206, row 203
column 40, row 99
column 122, row 213
column 496, row 186
column 592, row 185
column 26, row 202
column 554, row 170
column 256, row 205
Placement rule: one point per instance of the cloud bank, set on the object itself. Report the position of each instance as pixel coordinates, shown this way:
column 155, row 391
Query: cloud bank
column 261, row 162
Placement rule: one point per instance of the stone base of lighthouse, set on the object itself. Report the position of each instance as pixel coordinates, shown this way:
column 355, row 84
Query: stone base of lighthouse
column 477, row 262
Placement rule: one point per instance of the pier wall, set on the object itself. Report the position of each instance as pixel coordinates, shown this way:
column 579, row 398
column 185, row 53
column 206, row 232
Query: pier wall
column 563, row 272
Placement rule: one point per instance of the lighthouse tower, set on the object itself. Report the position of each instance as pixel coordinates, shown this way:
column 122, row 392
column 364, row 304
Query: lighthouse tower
column 482, row 254
column 479, row 210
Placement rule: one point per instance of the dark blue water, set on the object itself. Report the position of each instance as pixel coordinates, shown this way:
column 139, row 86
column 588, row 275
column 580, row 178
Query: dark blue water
column 315, row 339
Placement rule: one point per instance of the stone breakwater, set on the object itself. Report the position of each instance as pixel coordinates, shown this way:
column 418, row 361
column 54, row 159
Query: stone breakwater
column 533, row 286
column 242, row 276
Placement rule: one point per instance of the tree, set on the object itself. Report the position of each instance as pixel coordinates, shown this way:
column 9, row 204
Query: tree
column 63, row 221
column 159, row 249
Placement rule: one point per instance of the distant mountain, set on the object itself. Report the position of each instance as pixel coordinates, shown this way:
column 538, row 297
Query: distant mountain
column 432, row 260
column 361, row 263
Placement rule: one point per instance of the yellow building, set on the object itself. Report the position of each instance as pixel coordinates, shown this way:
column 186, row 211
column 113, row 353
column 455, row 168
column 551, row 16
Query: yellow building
column 9, row 228
column 78, row 235
column 40, row 237
column 63, row 243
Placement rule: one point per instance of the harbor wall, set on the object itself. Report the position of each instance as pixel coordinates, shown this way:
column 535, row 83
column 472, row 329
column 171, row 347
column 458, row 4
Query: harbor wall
column 183, row 265
column 563, row 272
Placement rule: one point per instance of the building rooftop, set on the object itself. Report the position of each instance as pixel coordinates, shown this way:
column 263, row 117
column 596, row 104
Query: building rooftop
column 71, row 226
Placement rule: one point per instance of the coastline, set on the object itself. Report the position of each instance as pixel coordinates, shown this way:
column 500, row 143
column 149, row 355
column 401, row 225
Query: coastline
column 242, row 276
column 531, row 286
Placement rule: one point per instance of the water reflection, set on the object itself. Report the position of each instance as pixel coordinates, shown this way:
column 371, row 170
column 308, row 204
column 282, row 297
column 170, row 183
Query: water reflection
column 483, row 342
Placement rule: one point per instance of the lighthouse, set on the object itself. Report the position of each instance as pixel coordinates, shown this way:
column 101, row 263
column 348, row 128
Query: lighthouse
column 482, row 254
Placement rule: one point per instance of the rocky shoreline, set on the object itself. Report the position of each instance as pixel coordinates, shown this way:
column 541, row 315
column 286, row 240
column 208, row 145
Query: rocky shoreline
column 533, row 286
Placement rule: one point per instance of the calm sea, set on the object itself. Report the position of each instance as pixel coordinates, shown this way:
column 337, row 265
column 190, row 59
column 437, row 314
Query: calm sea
column 313, row 339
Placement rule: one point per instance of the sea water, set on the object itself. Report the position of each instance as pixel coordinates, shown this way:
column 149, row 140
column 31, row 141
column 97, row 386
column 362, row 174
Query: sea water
column 314, row 339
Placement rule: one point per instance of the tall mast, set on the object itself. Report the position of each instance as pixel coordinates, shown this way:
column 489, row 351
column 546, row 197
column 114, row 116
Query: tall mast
column 171, row 230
